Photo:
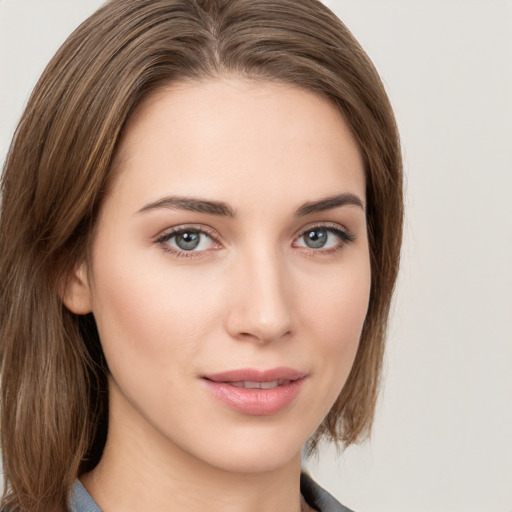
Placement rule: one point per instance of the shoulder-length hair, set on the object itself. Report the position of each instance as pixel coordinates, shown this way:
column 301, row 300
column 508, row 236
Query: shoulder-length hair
column 53, row 374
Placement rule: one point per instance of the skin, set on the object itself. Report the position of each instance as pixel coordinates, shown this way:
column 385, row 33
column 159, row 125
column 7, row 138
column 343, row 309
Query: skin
column 252, row 295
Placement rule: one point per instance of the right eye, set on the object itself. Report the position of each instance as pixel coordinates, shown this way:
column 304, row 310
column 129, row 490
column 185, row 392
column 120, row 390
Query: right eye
column 187, row 241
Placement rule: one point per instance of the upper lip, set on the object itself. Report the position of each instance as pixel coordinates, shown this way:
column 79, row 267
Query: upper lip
column 255, row 375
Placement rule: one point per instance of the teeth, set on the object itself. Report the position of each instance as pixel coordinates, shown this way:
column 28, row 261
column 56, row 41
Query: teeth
column 247, row 384
column 270, row 385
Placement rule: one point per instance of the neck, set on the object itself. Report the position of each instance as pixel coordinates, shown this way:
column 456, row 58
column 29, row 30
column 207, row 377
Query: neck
column 143, row 471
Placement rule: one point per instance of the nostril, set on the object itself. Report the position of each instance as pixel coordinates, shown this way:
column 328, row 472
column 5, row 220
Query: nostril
column 263, row 337
column 261, row 311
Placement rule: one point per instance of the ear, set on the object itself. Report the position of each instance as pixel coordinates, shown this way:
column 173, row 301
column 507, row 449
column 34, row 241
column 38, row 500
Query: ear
column 75, row 291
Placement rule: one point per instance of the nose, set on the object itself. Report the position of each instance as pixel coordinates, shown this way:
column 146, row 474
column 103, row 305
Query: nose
column 261, row 307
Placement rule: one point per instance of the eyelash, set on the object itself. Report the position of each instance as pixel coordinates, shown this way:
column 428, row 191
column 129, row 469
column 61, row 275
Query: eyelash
column 344, row 236
column 168, row 235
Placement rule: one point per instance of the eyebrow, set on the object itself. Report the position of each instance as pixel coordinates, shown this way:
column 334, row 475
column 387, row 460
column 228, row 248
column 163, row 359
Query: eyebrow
column 192, row 205
column 329, row 203
column 222, row 209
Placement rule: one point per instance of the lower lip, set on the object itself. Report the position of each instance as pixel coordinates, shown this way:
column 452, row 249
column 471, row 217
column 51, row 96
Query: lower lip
column 255, row 402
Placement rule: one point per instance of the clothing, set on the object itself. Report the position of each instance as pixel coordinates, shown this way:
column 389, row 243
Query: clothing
column 315, row 496
column 319, row 498
column 81, row 500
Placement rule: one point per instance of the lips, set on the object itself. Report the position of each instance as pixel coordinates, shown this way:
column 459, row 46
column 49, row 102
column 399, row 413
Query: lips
column 247, row 384
column 256, row 392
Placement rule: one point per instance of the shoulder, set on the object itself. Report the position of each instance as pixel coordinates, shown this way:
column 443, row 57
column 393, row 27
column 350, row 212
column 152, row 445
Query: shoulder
column 314, row 495
column 81, row 500
column 319, row 498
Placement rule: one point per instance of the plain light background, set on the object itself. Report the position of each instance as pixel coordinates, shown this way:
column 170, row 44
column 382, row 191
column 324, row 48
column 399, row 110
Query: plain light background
column 442, row 440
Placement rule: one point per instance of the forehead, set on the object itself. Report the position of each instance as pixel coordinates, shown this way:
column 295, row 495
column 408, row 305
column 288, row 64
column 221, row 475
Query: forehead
column 222, row 136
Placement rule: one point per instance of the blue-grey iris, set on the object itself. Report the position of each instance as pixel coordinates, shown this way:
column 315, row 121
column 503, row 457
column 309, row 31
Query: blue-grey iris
column 315, row 238
column 188, row 240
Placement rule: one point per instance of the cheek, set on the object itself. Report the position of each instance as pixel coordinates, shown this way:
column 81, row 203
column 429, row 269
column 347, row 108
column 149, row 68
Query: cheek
column 337, row 305
column 150, row 314
column 335, row 312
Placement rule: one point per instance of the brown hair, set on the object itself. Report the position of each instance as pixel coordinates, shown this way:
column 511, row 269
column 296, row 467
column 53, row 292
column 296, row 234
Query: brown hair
column 53, row 387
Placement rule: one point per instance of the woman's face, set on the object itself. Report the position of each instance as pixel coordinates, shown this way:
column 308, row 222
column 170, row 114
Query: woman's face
column 230, row 272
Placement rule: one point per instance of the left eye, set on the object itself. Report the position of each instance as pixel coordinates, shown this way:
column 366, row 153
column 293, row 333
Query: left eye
column 321, row 238
column 188, row 240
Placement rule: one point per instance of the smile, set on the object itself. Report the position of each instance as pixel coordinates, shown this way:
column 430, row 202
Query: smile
column 255, row 392
column 259, row 385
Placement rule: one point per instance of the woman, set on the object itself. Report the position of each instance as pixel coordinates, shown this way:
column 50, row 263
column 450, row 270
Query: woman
column 200, row 235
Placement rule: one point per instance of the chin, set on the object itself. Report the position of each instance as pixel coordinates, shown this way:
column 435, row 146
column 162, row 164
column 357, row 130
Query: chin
column 256, row 461
column 254, row 451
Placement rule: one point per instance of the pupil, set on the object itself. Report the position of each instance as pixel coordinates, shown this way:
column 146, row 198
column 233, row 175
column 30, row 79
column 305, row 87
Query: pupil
column 187, row 240
column 316, row 238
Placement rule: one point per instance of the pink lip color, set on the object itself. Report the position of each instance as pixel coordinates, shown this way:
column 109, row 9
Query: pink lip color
column 256, row 402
